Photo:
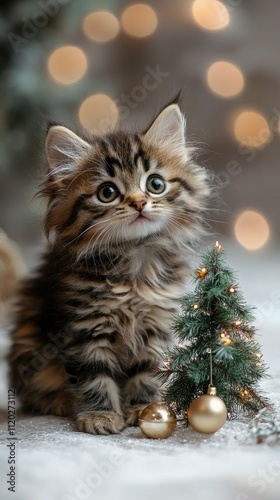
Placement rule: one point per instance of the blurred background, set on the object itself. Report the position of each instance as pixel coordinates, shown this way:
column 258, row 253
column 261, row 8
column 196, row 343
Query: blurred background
column 98, row 64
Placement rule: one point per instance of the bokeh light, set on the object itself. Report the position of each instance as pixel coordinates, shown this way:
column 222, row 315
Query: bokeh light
column 101, row 26
column 251, row 230
column 225, row 79
column 67, row 64
column 139, row 20
column 210, row 14
column 251, row 129
column 98, row 113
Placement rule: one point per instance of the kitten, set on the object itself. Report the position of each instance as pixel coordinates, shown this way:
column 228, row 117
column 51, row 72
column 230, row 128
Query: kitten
column 123, row 210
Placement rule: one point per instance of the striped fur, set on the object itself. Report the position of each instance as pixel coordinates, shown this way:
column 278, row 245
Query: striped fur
column 94, row 320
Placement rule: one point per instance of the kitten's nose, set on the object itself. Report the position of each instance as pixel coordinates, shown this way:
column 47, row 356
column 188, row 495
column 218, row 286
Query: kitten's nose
column 138, row 205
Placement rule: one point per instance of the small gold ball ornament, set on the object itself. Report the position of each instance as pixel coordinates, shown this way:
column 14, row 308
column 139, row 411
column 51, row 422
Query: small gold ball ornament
column 207, row 413
column 157, row 421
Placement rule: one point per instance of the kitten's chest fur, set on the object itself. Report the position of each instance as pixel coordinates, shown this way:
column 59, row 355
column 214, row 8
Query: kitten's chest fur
column 128, row 298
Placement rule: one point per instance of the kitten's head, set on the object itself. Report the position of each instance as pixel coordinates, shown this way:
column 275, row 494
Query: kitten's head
column 121, row 188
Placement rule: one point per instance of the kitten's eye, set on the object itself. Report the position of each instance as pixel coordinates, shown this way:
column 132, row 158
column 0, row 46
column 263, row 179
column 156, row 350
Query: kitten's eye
column 107, row 193
column 155, row 185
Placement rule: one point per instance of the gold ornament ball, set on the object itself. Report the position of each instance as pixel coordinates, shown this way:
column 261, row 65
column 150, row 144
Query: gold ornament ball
column 208, row 413
column 157, row 421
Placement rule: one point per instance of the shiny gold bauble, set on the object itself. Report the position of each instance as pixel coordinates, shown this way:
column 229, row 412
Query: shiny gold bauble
column 208, row 413
column 157, row 421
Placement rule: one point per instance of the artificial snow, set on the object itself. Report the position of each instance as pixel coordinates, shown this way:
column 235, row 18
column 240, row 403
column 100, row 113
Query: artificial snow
column 55, row 462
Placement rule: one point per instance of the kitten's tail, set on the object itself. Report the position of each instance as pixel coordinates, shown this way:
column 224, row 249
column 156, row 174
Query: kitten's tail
column 12, row 269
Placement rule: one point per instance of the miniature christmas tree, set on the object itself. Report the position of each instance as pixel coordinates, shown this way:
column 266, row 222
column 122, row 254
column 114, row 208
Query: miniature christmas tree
column 215, row 318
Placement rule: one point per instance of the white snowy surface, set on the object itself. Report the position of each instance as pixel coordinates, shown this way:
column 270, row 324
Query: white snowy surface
column 54, row 462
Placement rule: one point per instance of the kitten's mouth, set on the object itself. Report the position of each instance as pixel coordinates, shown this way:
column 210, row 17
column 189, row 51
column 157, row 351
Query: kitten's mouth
column 140, row 218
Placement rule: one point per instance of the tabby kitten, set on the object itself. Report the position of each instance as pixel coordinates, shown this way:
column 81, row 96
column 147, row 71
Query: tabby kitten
column 123, row 210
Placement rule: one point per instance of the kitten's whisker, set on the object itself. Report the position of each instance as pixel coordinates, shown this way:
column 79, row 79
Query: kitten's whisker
column 204, row 219
column 95, row 236
column 175, row 221
column 107, row 231
column 218, row 221
column 218, row 210
column 88, row 229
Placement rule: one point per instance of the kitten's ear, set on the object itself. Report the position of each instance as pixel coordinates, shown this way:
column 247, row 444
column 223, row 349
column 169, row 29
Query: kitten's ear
column 168, row 127
column 64, row 149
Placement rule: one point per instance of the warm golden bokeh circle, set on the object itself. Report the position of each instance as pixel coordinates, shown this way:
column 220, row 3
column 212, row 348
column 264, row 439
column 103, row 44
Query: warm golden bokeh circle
column 210, row 14
column 251, row 129
column 225, row 79
column 251, row 230
column 98, row 113
column 67, row 64
column 101, row 26
column 139, row 20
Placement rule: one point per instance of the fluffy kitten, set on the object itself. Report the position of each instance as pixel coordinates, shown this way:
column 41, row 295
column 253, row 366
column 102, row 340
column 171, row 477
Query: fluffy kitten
column 122, row 212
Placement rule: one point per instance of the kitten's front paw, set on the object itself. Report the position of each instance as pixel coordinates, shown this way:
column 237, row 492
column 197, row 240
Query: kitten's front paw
column 100, row 422
column 132, row 414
